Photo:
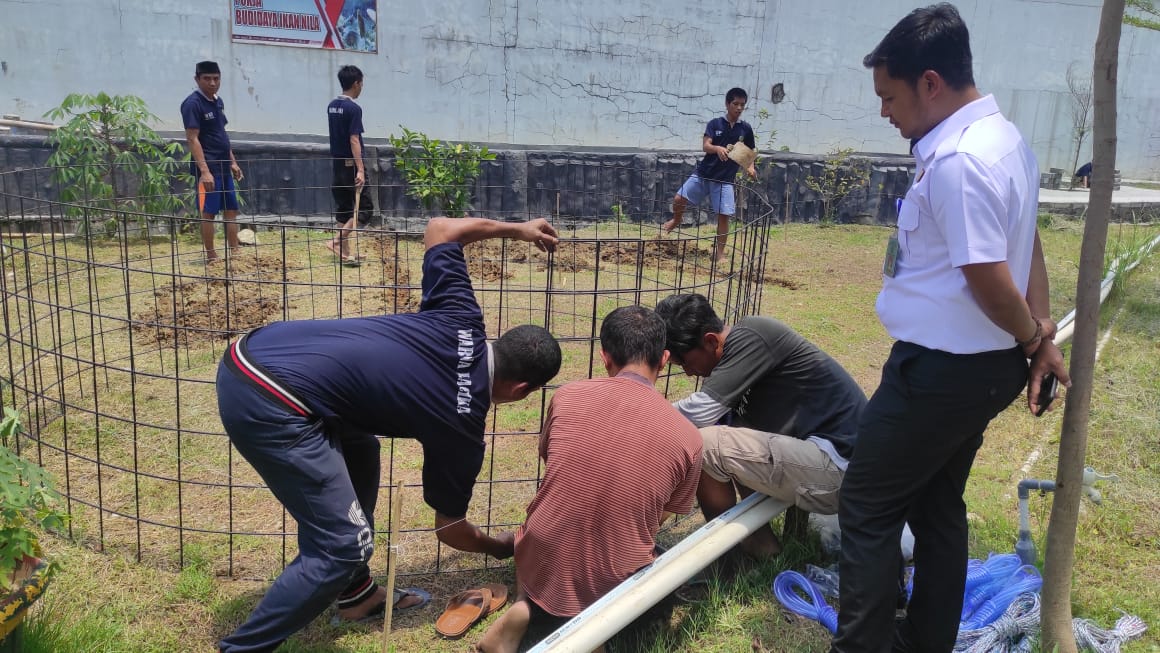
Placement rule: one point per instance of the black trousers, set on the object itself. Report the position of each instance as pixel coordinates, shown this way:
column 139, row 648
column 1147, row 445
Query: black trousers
column 916, row 442
column 342, row 188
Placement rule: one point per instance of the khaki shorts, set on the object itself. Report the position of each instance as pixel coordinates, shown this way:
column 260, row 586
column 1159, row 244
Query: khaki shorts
column 783, row 467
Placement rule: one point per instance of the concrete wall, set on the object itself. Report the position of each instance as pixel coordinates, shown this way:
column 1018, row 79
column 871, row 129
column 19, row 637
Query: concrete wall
column 627, row 74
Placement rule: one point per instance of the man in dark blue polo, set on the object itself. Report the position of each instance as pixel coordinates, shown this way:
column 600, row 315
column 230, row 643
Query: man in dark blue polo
column 213, row 164
column 302, row 401
column 714, row 175
column 344, row 116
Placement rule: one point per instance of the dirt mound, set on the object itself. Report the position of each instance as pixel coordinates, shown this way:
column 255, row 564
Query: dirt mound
column 399, row 297
column 777, row 277
column 232, row 298
column 485, row 259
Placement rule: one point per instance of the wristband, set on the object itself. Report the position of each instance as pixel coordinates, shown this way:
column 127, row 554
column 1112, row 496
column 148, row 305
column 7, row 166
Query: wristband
column 1035, row 336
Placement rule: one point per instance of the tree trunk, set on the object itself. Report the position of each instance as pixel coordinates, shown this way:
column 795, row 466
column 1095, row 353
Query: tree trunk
column 1060, row 547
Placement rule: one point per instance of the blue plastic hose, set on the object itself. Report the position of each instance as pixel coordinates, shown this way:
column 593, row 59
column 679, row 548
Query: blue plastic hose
column 986, row 578
column 1025, row 579
column 784, row 588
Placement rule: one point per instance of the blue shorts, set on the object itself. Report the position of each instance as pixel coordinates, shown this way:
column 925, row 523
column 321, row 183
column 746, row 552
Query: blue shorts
column 720, row 194
column 222, row 197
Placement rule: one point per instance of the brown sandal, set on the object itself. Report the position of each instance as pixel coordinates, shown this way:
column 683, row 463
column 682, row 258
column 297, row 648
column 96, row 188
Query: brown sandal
column 463, row 611
column 499, row 597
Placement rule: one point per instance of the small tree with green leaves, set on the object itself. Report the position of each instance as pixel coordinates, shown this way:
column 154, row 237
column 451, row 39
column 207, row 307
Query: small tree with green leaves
column 439, row 174
column 108, row 158
column 842, row 174
column 27, row 501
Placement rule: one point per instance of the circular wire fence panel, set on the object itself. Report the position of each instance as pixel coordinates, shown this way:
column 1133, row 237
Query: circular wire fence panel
column 116, row 323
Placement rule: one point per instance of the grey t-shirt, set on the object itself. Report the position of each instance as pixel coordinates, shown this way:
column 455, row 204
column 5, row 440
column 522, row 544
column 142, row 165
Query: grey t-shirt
column 776, row 381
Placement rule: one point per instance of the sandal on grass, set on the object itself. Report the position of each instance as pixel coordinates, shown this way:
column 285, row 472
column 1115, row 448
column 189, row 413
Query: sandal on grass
column 377, row 613
column 463, row 611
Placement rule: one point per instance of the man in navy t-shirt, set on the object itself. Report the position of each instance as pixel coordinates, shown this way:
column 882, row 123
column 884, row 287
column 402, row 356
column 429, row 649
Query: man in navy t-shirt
column 213, row 164
column 346, row 151
column 303, row 401
column 714, row 174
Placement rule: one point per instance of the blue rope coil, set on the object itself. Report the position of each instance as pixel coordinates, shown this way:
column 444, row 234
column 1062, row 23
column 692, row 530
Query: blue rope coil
column 785, row 588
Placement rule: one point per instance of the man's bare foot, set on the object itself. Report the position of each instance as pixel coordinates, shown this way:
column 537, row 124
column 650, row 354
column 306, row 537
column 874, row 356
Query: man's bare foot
column 671, row 224
column 762, row 544
column 368, row 605
column 508, row 631
column 375, row 603
column 346, row 258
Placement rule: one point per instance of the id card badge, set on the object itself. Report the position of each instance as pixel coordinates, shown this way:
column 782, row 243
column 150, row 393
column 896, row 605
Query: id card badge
column 890, row 263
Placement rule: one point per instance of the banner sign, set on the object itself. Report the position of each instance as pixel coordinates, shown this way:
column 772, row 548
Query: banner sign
column 328, row 24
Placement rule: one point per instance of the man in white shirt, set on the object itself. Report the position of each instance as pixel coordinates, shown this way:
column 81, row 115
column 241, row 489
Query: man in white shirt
column 965, row 296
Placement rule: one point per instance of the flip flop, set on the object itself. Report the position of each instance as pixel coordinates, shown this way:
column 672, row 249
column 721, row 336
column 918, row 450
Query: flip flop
column 352, row 260
column 463, row 611
column 424, row 597
column 376, row 613
column 499, row 597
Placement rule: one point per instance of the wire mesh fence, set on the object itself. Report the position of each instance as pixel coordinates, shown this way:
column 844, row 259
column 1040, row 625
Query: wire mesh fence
column 115, row 324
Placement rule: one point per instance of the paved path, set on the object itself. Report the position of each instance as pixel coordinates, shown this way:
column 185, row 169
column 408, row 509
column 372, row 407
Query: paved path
column 1126, row 195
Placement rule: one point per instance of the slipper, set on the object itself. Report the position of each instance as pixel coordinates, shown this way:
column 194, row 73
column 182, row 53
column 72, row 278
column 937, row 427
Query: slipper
column 424, row 597
column 463, row 611
column 352, row 260
column 378, row 612
column 695, row 590
column 499, row 597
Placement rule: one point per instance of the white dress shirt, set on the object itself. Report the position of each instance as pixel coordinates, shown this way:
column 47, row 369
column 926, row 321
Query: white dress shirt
column 974, row 200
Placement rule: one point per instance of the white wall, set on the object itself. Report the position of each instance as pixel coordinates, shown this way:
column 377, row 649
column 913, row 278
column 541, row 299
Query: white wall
column 633, row 73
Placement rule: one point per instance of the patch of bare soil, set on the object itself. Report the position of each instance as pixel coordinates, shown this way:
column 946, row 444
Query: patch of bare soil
column 396, row 295
column 233, row 297
column 485, row 260
column 777, row 277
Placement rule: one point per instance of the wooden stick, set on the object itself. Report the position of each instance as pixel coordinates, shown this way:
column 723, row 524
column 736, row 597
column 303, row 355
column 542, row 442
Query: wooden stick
column 353, row 224
column 396, row 514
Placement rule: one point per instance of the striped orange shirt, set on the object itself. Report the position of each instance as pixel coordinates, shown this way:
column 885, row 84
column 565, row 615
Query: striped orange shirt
column 618, row 456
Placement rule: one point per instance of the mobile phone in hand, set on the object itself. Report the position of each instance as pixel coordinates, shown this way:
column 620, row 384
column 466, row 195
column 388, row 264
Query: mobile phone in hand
column 1048, row 391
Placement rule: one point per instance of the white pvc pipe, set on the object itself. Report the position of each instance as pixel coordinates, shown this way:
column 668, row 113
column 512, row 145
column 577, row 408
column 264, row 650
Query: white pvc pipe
column 8, row 122
column 1066, row 326
column 617, row 609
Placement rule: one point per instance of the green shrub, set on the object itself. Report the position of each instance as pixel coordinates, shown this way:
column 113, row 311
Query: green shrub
column 439, row 174
column 107, row 158
column 27, row 500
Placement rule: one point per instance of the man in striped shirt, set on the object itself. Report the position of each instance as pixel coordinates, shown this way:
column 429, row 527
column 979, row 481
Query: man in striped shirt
column 620, row 459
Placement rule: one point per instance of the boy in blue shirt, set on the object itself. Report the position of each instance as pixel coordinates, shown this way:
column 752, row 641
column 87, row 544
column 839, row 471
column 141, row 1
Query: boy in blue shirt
column 344, row 116
column 714, row 174
column 213, row 164
column 303, row 401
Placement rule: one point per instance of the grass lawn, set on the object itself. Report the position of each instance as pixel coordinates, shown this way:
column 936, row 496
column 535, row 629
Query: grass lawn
column 821, row 281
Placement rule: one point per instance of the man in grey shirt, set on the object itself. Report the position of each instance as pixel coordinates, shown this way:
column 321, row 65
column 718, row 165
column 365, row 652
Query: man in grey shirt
column 777, row 414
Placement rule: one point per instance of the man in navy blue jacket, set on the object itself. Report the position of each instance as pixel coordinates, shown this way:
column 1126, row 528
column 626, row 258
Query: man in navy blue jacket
column 212, row 160
column 344, row 118
column 303, row 401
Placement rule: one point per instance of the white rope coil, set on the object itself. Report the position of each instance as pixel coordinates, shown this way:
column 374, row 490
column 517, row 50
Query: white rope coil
column 1018, row 629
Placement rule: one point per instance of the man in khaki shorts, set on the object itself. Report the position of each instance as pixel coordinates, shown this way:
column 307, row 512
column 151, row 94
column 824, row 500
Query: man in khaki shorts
column 778, row 415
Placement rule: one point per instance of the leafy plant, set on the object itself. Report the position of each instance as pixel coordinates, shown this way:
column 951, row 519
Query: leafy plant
column 619, row 214
column 108, row 158
column 841, row 175
column 438, row 173
column 27, row 500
